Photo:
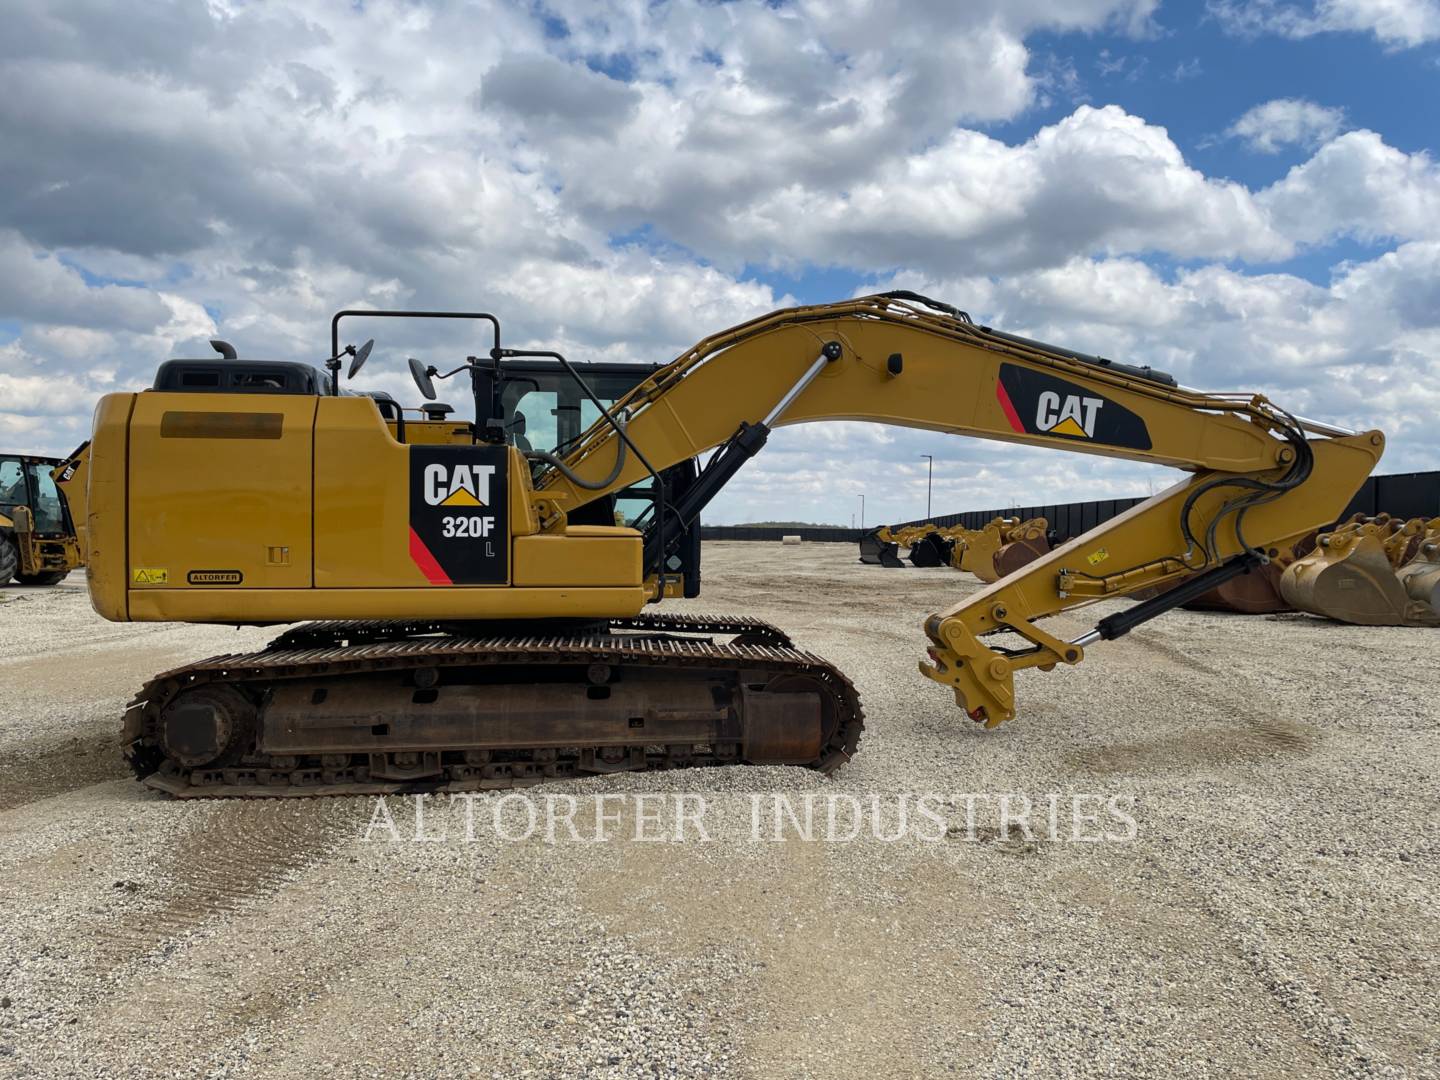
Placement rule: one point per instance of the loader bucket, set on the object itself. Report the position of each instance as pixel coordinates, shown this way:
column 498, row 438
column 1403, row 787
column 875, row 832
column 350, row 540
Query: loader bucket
column 932, row 549
column 1025, row 543
column 1256, row 592
column 1371, row 573
column 872, row 549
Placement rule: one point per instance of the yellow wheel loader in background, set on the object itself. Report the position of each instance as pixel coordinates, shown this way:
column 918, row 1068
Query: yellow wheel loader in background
column 482, row 619
column 38, row 541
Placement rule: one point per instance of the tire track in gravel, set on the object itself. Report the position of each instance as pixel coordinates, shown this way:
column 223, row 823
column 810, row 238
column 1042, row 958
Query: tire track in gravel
column 1327, row 1030
column 1236, row 740
column 76, row 763
column 60, row 745
column 239, row 856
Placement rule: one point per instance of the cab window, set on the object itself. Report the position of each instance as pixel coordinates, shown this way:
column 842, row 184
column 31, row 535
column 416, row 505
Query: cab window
column 12, row 483
column 48, row 510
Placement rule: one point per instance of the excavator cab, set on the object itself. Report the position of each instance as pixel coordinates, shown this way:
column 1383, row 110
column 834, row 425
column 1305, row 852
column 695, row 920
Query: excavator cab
column 543, row 407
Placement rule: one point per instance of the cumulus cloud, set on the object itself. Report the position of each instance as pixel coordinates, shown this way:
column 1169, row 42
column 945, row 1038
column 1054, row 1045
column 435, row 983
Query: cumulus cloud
column 1356, row 185
column 606, row 176
column 1273, row 125
column 560, row 96
column 1396, row 23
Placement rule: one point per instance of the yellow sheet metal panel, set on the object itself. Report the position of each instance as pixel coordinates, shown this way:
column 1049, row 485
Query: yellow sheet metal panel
column 436, row 432
column 220, row 485
column 362, row 509
column 378, row 525
column 105, row 511
column 222, row 605
column 598, row 556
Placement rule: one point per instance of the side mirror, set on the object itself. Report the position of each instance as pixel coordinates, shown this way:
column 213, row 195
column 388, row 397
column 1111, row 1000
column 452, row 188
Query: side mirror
column 421, row 374
column 361, row 355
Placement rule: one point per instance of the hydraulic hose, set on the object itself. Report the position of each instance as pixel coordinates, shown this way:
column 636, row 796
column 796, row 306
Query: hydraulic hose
column 589, row 485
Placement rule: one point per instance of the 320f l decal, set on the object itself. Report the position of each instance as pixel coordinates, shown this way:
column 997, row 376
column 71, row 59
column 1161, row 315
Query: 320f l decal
column 458, row 523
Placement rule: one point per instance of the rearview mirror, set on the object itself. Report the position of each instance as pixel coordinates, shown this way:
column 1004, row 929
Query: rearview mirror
column 361, row 355
column 421, row 374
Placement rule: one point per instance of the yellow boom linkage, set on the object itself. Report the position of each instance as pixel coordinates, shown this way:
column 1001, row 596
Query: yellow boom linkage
column 1260, row 476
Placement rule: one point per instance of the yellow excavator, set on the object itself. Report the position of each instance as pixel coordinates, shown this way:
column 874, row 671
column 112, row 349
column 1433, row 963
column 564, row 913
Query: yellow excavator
column 477, row 619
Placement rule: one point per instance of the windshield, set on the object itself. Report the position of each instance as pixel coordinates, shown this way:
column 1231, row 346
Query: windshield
column 546, row 410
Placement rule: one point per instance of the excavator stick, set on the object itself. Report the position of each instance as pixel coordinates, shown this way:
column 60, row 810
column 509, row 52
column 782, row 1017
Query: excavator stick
column 1377, row 571
column 1191, row 530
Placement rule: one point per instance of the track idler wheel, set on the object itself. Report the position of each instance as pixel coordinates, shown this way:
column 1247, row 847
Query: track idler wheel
column 787, row 723
column 207, row 726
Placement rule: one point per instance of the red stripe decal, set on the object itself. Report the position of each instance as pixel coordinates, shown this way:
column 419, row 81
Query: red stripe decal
column 1009, row 407
column 426, row 562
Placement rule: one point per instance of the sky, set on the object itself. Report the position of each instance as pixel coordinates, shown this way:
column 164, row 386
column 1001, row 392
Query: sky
column 1241, row 192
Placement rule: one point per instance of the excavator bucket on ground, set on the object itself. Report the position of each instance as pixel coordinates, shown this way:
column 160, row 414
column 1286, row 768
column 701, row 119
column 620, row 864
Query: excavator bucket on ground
column 932, row 549
column 1378, row 571
column 1258, row 591
column 882, row 547
column 1002, row 547
column 878, row 548
column 978, row 555
column 1024, row 544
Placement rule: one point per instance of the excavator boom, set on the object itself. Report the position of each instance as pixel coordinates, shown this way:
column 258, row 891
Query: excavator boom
column 1260, row 476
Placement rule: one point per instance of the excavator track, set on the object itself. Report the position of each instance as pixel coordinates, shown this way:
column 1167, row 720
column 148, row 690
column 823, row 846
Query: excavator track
column 381, row 707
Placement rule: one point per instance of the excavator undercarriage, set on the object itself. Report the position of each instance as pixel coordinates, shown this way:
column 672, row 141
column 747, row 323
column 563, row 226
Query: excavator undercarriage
column 372, row 707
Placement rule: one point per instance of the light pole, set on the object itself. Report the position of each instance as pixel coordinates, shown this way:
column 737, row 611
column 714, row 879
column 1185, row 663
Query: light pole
column 929, row 477
column 862, row 511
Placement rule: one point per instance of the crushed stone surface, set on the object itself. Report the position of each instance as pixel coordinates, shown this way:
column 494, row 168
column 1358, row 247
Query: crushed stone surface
column 1274, row 914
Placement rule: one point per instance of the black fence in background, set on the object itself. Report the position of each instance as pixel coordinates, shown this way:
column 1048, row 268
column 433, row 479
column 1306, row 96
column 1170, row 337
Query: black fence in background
column 821, row 533
column 1402, row 495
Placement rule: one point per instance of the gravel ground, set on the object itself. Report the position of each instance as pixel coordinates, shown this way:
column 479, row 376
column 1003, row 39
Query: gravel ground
column 1275, row 913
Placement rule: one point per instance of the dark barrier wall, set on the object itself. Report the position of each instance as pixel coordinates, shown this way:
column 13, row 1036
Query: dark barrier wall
column 751, row 532
column 1402, row 495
